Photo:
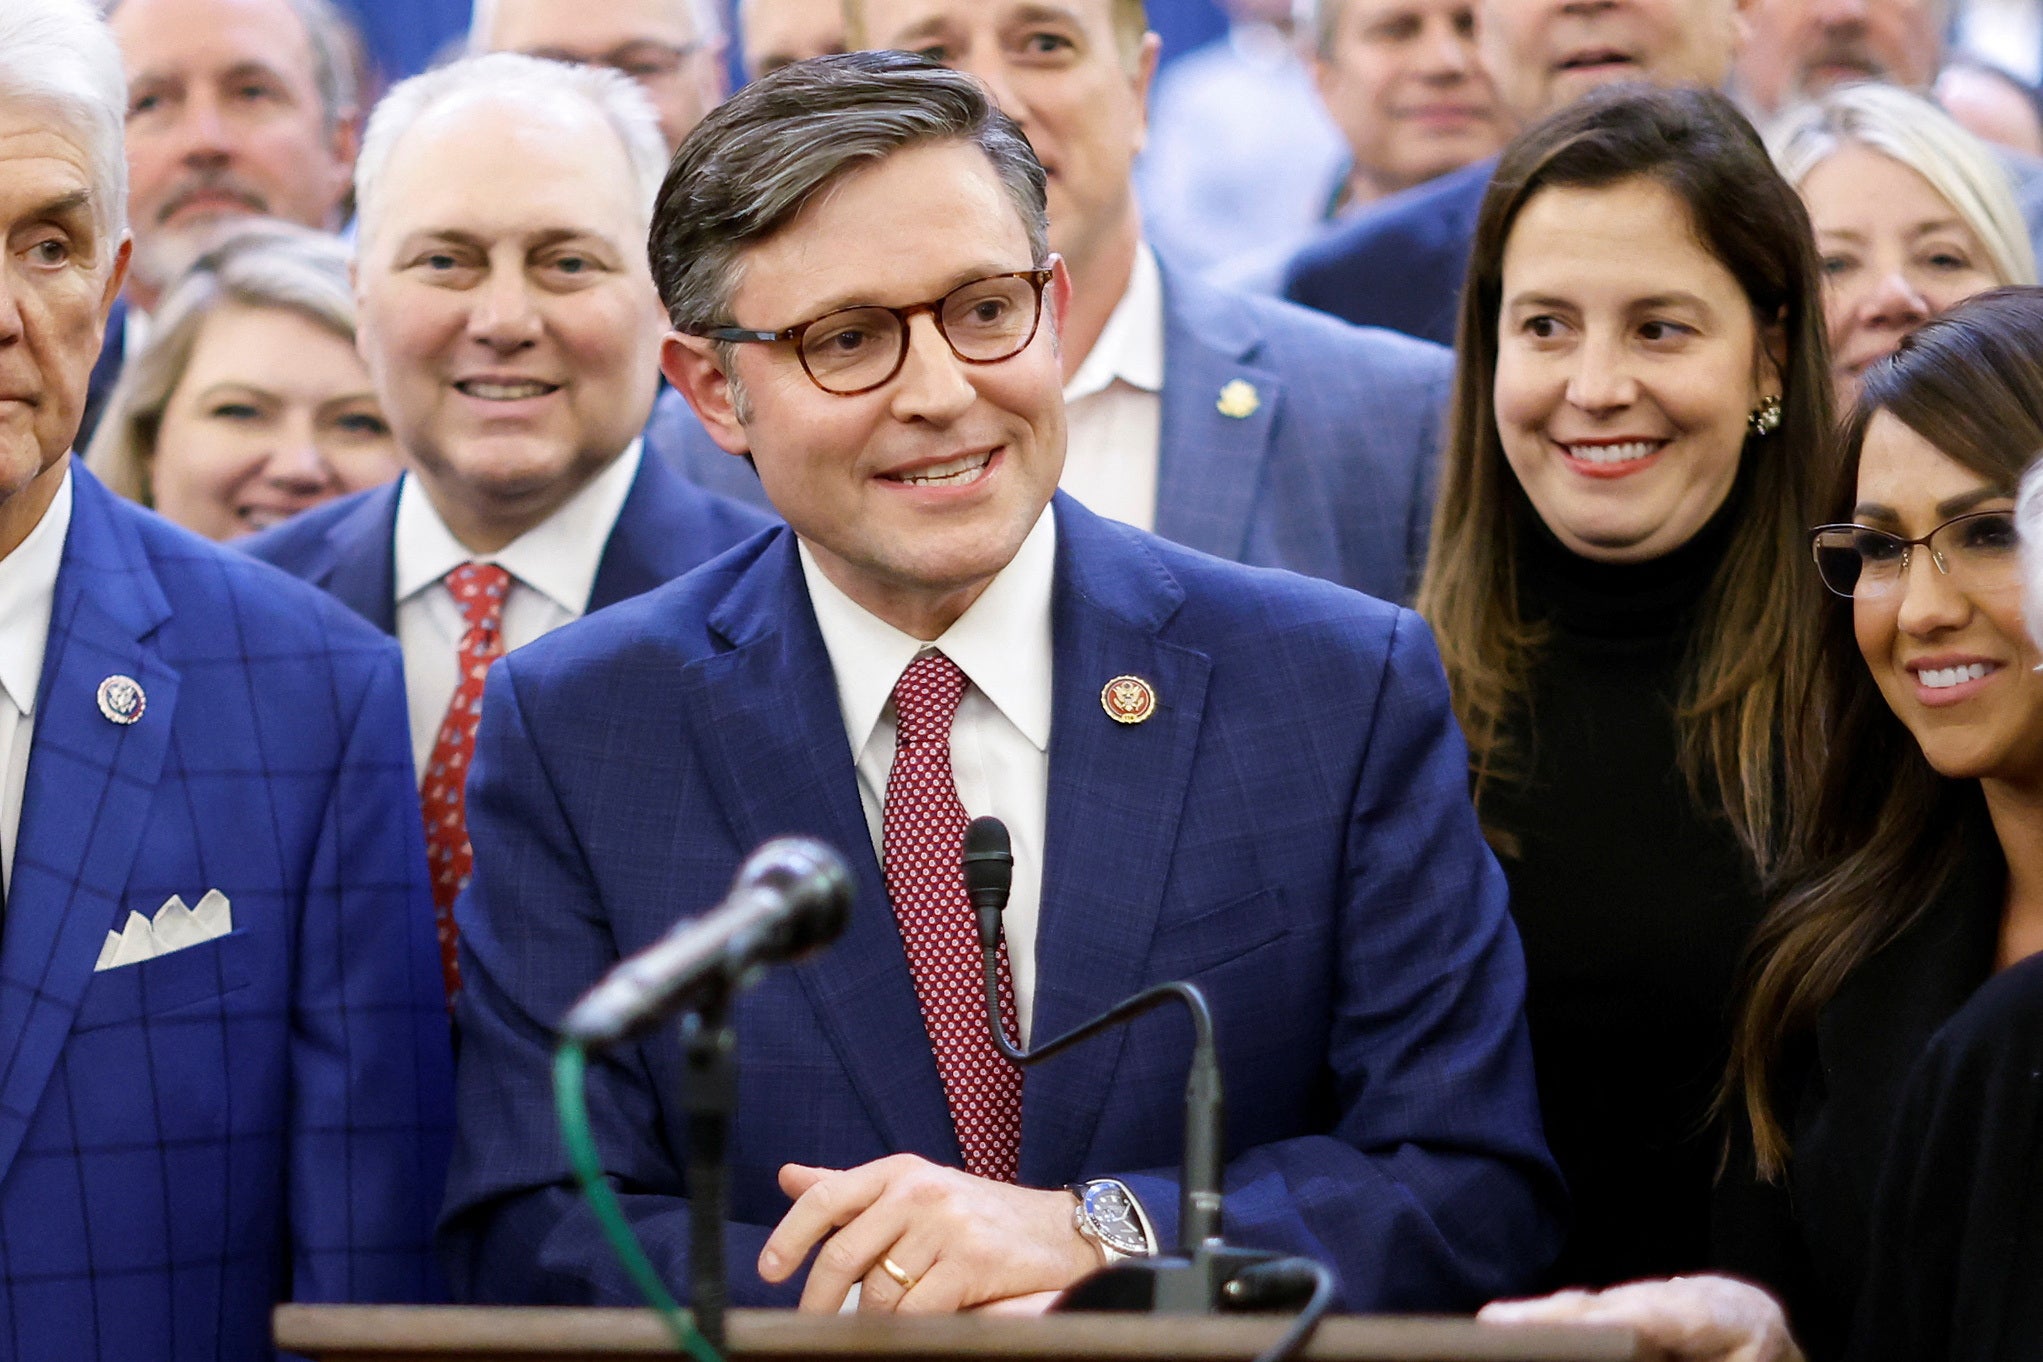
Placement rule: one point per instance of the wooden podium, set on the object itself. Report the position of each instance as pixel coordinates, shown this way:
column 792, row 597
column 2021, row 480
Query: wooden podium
column 368, row 1333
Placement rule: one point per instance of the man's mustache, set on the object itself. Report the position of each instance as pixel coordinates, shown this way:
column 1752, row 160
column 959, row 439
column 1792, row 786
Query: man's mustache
column 1847, row 50
column 212, row 184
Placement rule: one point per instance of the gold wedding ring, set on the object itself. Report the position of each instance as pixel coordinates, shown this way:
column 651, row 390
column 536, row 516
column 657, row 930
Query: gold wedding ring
column 894, row 1270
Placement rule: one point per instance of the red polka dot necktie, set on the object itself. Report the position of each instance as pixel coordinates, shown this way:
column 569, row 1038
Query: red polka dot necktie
column 923, row 841
column 479, row 589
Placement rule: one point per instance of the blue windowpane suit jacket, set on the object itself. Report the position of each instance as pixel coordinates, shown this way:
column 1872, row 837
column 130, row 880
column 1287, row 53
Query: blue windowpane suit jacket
column 1331, row 474
column 1292, row 830
column 263, row 1116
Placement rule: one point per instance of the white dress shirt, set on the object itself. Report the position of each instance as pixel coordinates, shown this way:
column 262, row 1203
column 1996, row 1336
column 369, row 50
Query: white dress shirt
column 28, row 595
column 1114, row 406
column 1000, row 740
column 552, row 566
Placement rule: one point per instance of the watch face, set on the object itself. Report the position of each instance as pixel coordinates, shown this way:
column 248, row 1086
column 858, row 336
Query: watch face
column 1114, row 1218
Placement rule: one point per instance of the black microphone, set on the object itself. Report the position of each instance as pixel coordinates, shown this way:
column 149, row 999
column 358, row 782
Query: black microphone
column 790, row 897
column 1193, row 1282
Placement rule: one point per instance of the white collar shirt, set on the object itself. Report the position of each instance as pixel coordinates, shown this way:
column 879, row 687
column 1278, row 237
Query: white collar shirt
column 553, row 569
column 28, row 596
column 1000, row 739
column 1114, row 406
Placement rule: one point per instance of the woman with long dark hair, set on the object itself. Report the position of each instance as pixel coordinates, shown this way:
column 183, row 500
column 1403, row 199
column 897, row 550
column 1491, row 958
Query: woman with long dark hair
column 1913, row 875
column 1640, row 414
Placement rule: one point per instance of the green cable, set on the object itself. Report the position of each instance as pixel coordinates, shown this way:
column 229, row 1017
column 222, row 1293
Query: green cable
column 570, row 1066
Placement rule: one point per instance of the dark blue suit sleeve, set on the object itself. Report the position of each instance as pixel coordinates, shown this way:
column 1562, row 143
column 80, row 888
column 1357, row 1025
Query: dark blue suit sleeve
column 1433, row 1185
column 371, row 1067
column 534, row 935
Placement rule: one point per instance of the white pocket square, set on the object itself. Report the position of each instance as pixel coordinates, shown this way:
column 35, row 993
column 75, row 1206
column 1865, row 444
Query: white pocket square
column 174, row 928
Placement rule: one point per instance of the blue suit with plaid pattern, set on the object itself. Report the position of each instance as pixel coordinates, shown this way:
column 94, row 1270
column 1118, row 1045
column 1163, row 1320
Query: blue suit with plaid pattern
column 1291, row 829
column 263, row 1116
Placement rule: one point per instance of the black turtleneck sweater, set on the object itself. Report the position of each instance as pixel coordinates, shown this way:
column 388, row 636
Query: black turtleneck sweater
column 1634, row 902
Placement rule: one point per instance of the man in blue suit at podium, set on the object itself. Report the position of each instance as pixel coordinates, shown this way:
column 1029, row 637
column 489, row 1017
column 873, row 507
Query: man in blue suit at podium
column 224, row 1063
column 1245, row 778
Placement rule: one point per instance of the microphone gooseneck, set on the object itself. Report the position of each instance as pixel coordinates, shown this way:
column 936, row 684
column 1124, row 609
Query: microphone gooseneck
column 989, row 877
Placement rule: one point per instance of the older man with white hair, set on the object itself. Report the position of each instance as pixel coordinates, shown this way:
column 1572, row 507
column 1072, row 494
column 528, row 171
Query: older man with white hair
column 672, row 48
column 224, row 1065
column 507, row 314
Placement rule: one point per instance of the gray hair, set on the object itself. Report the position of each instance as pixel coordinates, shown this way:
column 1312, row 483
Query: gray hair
column 705, row 14
column 266, row 264
column 750, row 167
column 528, row 82
column 336, row 56
column 2029, row 528
column 1962, row 169
column 60, row 58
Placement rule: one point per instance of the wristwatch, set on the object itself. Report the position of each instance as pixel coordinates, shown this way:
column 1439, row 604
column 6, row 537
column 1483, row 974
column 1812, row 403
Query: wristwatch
column 1110, row 1218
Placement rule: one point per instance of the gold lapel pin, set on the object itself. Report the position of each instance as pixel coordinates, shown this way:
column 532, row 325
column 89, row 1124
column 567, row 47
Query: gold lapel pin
column 121, row 699
column 1239, row 399
column 1128, row 699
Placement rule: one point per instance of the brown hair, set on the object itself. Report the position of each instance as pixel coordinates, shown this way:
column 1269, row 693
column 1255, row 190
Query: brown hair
column 1876, row 831
column 1735, row 701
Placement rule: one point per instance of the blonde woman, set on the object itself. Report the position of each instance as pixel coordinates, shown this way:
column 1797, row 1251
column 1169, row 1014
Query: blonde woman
column 1912, row 214
column 249, row 403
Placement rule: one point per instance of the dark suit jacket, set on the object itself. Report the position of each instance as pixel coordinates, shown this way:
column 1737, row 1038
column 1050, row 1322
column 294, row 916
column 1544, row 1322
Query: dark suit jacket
column 1331, row 475
column 1401, row 263
column 1292, row 829
column 190, row 1138
column 1813, row 1239
column 1956, row 1255
column 106, row 371
column 665, row 528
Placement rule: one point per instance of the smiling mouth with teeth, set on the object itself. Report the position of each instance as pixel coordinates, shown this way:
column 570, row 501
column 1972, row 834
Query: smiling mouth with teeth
column 505, row 392
column 1629, row 452
column 956, row 473
column 1943, row 678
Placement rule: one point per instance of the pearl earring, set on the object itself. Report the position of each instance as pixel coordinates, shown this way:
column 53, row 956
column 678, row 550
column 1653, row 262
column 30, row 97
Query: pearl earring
column 1766, row 417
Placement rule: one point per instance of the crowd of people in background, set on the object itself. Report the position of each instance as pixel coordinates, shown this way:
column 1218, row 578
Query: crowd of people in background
column 1630, row 777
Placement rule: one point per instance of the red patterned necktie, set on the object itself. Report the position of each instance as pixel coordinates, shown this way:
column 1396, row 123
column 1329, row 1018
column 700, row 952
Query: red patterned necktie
column 479, row 589
column 923, row 839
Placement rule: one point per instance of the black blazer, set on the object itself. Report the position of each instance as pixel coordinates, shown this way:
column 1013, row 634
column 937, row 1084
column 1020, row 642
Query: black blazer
column 1956, row 1271
column 1815, row 1240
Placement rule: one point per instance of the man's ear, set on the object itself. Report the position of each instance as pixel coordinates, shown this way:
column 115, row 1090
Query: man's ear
column 347, row 144
column 1143, row 76
column 1059, row 293
column 690, row 364
column 117, row 277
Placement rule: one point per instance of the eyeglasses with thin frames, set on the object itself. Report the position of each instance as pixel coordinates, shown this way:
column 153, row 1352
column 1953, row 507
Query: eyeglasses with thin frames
column 1978, row 551
column 854, row 350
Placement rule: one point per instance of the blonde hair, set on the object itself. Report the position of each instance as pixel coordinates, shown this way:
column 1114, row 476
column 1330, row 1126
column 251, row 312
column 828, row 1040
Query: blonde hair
column 264, row 265
column 1962, row 169
column 1130, row 20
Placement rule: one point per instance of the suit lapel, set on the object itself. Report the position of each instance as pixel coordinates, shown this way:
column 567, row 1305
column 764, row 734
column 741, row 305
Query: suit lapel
column 362, row 569
column 1219, row 416
column 656, row 533
column 87, row 802
column 1115, row 795
column 776, row 753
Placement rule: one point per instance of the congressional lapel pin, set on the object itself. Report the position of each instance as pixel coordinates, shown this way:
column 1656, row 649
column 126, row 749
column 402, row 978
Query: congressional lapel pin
column 121, row 699
column 1128, row 699
column 1239, row 399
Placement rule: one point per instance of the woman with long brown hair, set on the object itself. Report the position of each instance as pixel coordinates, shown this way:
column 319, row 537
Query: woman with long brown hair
column 1640, row 411
column 1913, row 876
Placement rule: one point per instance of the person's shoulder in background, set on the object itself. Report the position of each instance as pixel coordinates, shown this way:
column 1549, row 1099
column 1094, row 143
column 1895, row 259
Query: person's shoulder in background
column 1399, row 264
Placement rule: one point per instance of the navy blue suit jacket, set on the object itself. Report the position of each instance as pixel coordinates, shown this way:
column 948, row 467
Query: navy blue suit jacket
column 1292, row 830
column 1331, row 475
column 258, row 1117
column 349, row 546
column 1401, row 264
